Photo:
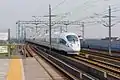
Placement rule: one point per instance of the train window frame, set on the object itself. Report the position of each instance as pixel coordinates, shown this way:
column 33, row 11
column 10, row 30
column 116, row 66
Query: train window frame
column 62, row 41
column 68, row 37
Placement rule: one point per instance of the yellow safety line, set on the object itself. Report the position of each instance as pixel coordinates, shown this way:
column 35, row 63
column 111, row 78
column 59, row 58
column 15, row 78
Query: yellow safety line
column 15, row 70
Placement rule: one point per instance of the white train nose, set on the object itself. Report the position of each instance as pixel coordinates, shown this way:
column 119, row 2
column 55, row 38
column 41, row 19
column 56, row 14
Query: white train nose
column 75, row 46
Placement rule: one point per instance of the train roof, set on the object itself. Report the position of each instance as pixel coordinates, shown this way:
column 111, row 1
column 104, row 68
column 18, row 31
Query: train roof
column 66, row 33
column 58, row 34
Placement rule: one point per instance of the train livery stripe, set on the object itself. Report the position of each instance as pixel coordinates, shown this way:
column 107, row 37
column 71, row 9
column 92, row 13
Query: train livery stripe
column 15, row 70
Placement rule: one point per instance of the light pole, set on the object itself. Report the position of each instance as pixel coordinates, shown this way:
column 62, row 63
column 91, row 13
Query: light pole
column 50, row 16
column 50, row 26
column 109, row 25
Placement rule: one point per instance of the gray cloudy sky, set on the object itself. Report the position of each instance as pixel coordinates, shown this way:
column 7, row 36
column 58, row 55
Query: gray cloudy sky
column 14, row 10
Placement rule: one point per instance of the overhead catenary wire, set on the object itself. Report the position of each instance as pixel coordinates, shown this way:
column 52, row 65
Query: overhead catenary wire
column 62, row 2
column 95, row 15
column 84, row 4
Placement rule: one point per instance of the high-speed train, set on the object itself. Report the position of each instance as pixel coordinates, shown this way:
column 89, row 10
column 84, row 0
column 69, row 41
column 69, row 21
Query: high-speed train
column 64, row 42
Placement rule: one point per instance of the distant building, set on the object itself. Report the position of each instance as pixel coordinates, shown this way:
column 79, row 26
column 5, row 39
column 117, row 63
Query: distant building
column 3, row 38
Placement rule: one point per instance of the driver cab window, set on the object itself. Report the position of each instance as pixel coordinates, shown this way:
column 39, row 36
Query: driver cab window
column 72, row 38
column 62, row 41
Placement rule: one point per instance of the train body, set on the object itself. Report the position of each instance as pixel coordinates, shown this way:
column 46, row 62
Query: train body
column 64, row 42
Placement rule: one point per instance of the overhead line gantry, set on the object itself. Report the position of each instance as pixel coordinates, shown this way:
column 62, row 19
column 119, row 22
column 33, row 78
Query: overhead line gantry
column 21, row 33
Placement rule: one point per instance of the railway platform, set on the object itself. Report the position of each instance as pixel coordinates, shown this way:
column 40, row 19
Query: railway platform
column 4, row 65
column 39, row 71
column 18, row 67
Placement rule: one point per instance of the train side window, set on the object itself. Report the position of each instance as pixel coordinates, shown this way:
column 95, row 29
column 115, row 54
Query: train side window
column 62, row 41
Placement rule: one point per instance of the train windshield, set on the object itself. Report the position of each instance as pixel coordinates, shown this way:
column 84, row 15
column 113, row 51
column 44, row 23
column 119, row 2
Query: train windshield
column 72, row 38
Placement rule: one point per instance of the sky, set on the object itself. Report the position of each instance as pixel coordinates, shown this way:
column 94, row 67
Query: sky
column 13, row 10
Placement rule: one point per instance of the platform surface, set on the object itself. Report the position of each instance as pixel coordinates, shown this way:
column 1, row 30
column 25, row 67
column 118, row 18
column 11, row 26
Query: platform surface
column 20, row 68
column 34, row 71
column 4, row 65
column 15, row 71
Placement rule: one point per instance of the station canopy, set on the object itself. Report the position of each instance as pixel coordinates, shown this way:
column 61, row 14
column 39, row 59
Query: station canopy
column 4, row 36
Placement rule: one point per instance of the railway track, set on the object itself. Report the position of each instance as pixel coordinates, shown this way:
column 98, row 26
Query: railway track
column 110, row 69
column 25, row 52
column 109, row 62
column 80, row 65
column 103, row 54
column 66, row 67
column 32, row 52
column 103, row 66
column 101, row 58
